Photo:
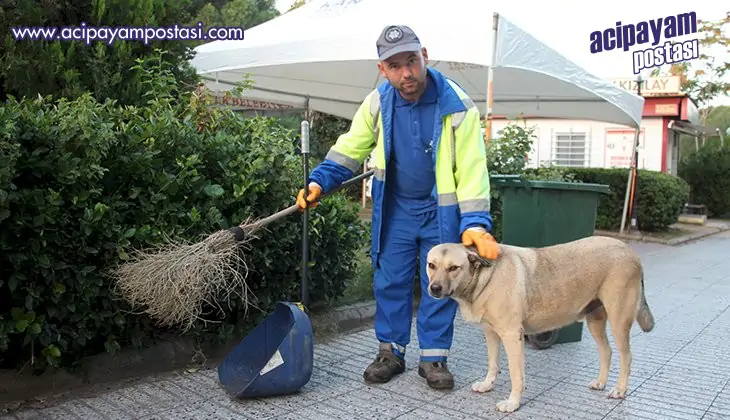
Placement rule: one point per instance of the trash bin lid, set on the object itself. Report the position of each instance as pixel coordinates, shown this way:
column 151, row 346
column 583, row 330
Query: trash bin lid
column 519, row 181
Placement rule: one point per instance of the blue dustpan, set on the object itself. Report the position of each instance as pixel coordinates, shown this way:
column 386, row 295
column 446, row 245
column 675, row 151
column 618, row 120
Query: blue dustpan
column 275, row 358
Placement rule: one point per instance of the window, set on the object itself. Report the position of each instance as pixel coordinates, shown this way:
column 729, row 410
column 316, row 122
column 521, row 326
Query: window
column 571, row 149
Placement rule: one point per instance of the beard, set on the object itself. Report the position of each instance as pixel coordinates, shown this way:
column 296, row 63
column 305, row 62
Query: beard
column 410, row 85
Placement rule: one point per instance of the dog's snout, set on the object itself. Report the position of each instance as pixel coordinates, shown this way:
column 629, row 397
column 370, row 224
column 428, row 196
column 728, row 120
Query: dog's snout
column 436, row 288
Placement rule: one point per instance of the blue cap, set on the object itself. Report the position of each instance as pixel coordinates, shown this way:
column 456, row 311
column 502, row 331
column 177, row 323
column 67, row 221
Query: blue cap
column 396, row 39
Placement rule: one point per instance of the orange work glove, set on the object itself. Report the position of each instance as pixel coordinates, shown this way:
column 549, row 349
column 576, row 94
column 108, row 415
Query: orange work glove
column 314, row 193
column 486, row 246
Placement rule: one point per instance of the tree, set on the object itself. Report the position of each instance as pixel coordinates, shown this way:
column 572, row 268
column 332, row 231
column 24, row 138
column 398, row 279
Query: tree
column 241, row 13
column 719, row 116
column 708, row 77
column 69, row 68
column 248, row 13
column 63, row 68
column 209, row 15
column 297, row 4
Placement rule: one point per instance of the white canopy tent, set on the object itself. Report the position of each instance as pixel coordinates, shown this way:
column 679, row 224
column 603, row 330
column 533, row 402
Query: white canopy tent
column 322, row 57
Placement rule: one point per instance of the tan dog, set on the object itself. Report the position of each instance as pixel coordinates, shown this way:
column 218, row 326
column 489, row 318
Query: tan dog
column 533, row 290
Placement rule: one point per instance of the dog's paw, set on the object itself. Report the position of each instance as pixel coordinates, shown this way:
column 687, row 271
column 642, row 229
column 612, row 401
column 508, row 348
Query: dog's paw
column 617, row 393
column 507, row 406
column 597, row 385
column 483, row 386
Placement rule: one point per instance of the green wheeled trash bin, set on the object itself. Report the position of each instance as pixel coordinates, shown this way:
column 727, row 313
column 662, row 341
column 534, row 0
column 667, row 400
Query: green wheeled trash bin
column 543, row 213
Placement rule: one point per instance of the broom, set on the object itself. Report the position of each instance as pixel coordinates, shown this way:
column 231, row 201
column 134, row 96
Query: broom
column 175, row 279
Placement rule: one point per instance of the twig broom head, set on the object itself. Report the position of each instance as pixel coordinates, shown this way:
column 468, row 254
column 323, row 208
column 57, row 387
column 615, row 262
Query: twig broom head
column 176, row 279
column 173, row 281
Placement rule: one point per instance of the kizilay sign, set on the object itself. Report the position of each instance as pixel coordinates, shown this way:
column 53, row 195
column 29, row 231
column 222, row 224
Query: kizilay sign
column 667, row 85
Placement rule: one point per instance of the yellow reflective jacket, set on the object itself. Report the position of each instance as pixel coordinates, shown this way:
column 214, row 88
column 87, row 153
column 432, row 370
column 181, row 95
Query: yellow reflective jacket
column 462, row 180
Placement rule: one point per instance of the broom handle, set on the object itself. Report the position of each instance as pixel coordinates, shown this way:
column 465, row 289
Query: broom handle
column 295, row 207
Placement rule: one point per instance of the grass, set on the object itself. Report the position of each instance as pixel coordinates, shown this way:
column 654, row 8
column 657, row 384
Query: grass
column 360, row 288
column 670, row 233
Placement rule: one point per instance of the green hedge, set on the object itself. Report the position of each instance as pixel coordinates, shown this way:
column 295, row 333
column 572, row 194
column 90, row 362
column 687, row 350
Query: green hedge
column 660, row 196
column 83, row 183
column 708, row 173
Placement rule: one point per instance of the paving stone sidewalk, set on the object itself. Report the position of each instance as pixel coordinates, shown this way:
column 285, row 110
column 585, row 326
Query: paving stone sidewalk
column 680, row 370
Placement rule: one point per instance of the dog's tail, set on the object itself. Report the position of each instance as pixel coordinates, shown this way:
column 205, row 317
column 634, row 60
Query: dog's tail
column 644, row 316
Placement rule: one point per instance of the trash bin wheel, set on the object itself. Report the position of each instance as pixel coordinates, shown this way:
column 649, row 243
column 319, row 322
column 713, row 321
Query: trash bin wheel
column 543, row 340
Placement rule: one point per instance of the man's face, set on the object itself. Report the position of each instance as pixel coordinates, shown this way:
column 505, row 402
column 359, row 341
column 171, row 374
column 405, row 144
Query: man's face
column 406, row 71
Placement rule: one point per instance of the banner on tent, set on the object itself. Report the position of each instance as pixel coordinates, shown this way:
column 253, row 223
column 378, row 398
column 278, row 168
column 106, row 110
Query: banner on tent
column 235, row 103
column 454, row 66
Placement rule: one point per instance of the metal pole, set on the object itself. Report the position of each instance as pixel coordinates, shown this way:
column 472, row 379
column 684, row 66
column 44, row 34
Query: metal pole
column 634, row 225
column 635, row 179
column 490, row 77
column 305, row 217
column 722, row 138
column 634, row 162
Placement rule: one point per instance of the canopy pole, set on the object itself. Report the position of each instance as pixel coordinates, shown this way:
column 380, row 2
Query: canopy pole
column 630, row 182
column 633, row 171
column 490, row 77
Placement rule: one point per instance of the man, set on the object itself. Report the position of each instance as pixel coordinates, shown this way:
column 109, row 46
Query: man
column 427, row 189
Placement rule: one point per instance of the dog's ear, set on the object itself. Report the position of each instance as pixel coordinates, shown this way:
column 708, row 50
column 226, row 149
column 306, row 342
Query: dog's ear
column 476, row 261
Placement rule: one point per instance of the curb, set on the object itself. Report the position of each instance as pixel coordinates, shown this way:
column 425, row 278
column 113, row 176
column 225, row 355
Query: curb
column 681, row 240
column 346, row 318
column 104, row 370
column 684, row 239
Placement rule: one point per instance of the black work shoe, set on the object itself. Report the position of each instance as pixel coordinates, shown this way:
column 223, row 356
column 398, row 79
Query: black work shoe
column 437, row 375
column 385, row 366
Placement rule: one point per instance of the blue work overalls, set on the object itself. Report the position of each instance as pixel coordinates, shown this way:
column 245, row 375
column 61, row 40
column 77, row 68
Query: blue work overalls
column 410, row 229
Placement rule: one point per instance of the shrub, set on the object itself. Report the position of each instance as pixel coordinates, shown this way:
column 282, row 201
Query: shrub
column 708, row 174
column 508, row 153
column 550, row 173
column 82, row 183
column 325, row 130
column 660, row 196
